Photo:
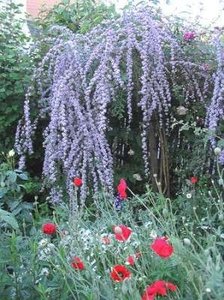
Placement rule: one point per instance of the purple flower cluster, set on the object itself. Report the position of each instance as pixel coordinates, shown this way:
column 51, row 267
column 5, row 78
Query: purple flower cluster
column 215, row 111
column 81, row 75
column 221, row 158
column 189, row 36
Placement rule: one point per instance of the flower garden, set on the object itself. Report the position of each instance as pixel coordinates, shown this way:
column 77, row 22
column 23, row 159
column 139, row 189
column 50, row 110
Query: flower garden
column 112, row 155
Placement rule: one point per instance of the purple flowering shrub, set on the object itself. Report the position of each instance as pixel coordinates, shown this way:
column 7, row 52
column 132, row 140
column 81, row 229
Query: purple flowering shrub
column 126, row 70
column 215, row 111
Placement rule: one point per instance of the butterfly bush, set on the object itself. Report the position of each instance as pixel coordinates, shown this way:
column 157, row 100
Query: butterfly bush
column 215, row 110
column 221, row 158
column 78, row 79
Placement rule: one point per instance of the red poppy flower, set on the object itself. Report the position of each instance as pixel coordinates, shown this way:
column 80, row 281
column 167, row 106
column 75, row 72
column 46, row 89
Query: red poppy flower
column 49, row 228
column 162, row 247
column 132, row 258
column 77, row 263
column 121, row 188
column 77, row 181
column 158, row 288
column 122, row 233
column 120, row 273
column 194, row 179
column 123, row 195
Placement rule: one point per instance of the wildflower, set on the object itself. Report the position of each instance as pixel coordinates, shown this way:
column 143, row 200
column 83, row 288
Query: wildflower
column 44, row 272
column 158, row 288
column 217, row 151
column 11, row 153
column 194, row 179
column 121, row 188
column 206, row 67
column 132, row 258
column 147, row 224
column 118, row 203
column 49, row 228
column 131, row 152
column 189, row 36
column 137, row 177
column 45, row 253
column 122, row 233
column 77, row 181
column 188, row 195
column 117, row 230
column 77, row 263
column 43, row 242
column 162, row 248
column 221, row 158
column 153, row 234
column 105, row 240
column 120, row 273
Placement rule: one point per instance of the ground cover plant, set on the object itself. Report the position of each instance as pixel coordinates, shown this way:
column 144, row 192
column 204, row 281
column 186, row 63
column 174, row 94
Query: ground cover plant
column 152, row 252
column 124, row 116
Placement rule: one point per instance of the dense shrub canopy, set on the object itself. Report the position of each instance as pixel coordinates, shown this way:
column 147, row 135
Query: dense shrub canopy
column 15, row 68
column 82, row 77
column 216, row 108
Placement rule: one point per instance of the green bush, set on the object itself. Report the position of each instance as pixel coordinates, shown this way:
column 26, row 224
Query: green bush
column 12, row 193
column 15, row 70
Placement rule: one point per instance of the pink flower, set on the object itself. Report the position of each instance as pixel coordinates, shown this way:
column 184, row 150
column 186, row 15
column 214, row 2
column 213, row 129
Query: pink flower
column 131, row 259
column 105, row 240
column 162, row 248
column 194, row 179
column 189, row 36
column 122, row 233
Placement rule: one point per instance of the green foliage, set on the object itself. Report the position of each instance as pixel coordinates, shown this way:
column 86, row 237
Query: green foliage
column 8, row 218
column 15, row 67
column 33, row 265
column 12, row 192
column 38, row 266
column 78, row 16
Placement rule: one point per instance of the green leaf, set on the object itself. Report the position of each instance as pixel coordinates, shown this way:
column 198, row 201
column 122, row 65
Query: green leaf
column 3, row 191
column 12, row 176
column 23, row 176
column 9, row 219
